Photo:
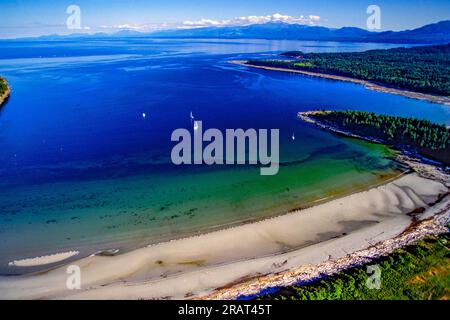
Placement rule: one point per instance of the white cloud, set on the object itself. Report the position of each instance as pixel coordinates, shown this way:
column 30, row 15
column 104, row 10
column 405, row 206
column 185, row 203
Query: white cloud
column 138, row 27
column 238, row 21
column 126, row 26
column 249, row 20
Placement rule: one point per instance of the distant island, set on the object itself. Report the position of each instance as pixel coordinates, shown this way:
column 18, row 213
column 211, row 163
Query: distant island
column 4, row 91
column 407, row 134
column 418, row 72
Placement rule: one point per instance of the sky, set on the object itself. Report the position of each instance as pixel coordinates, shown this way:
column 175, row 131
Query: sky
column 22, row 18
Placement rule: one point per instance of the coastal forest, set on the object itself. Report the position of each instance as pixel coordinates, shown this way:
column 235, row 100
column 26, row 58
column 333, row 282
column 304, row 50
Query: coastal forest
column 416, row 272
column 429, row 139
column 423, row 69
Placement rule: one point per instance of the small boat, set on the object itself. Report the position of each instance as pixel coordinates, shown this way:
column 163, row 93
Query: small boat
column 192, row 116
column 293, row 137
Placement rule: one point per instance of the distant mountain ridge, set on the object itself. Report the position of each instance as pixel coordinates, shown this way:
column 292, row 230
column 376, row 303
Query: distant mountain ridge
column 429, row 34
column 436, row 33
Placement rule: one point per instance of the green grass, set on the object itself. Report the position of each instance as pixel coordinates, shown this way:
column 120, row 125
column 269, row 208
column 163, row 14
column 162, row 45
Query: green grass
column 417, row 272
column 303, row 64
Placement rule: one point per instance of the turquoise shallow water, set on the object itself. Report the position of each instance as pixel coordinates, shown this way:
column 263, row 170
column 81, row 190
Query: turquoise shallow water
column 81, row 168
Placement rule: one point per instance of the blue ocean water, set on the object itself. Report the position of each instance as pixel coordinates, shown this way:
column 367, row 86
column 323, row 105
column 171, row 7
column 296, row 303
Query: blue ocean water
column 73, row 139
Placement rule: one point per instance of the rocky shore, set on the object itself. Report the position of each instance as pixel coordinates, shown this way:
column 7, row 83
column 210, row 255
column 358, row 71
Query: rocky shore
column 424, row 167
column 418, row 230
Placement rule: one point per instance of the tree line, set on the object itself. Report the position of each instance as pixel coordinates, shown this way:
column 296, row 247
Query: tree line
column 422, row 69
column 398, row 271
column 430, row 139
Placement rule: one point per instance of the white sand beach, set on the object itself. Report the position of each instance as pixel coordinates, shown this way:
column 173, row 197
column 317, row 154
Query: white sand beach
column 197, row 267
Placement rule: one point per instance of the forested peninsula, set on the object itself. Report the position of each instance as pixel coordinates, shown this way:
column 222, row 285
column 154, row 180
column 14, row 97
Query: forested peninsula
column 423, row 69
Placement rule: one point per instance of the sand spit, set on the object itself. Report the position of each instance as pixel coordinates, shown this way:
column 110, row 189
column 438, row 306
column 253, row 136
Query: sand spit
column 39, row 261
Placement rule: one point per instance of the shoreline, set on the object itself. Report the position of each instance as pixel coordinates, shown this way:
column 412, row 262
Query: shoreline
column 427, row 168
column 4, row 97
column 366, row 83
column 34, row 263
column 310, row 273
column 426, row 222
column 245, row 260
column 199, row 266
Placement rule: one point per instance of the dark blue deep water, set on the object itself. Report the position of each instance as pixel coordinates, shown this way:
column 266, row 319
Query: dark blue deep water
column 73, row 139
